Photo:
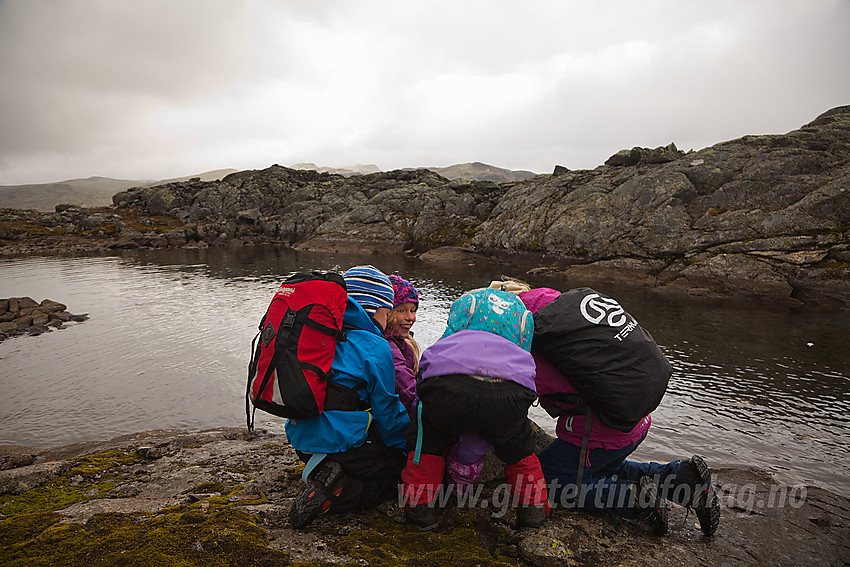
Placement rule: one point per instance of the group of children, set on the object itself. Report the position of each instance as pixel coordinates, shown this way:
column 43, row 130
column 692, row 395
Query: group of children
column 427, row 419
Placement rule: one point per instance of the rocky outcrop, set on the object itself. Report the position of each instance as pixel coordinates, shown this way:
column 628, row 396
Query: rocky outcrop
column 223, row 496
column 638, row 156
column 761, row 214
column 765, row 216
column 25, row 316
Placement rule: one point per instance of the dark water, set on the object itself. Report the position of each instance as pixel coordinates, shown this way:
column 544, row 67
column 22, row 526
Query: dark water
column 170, row 331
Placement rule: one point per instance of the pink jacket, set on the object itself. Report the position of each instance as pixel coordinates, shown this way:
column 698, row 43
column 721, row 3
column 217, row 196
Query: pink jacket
column 570, row 427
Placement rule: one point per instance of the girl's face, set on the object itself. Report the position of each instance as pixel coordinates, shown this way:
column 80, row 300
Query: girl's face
column 402, row 318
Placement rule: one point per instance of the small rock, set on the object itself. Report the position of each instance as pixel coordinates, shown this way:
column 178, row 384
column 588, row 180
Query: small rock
column 50, row 306
column 544, row 551
column 150, row 453
column 13, row 461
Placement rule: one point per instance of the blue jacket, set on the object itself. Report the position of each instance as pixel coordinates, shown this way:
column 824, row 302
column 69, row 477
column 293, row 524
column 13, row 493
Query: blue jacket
column 363, row 359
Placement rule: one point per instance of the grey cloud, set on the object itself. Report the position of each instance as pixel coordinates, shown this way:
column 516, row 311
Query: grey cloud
column 144, row 87
column 89, row 72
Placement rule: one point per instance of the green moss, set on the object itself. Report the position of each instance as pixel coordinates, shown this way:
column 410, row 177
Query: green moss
column 276, row 449
column 26, row 527
column 97, row 479
column 834, row 265
column 218, row 537
column 208, row 487
column 390, row 544
column 208, row 533
column 139, row 221
column 101, row 461
column 294, row 472
column 26, row 227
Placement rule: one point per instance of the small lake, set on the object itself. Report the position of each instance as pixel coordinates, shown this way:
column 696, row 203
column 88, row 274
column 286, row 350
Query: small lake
column 169, row 335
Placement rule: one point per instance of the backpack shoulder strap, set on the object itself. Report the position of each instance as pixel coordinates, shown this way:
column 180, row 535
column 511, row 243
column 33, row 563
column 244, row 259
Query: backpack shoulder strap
column 588, row 422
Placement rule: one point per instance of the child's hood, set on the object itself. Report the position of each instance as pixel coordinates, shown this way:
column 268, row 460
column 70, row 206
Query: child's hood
column 479, row 353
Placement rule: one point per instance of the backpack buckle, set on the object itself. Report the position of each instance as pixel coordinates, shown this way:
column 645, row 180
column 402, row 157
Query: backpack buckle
column 268, row 334
column 288, row 319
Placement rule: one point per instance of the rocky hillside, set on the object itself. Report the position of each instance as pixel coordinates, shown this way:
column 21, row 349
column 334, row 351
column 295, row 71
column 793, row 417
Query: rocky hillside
column 760, row 215
column 88, row 192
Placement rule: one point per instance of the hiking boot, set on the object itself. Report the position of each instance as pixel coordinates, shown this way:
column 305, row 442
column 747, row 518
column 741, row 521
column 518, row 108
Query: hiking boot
column 700, row 473
column 706, row 502
column 708, row 511
column 650, row 508
column 324, row 485
column 423, row 516
column 531, row 516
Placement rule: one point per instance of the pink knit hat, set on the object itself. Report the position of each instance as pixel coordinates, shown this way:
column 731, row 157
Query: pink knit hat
column 404, row 291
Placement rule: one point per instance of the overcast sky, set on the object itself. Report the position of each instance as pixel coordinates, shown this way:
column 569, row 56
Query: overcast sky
column 151, row 89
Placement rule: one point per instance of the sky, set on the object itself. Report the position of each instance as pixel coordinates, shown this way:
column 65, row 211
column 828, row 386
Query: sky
column 153, row 89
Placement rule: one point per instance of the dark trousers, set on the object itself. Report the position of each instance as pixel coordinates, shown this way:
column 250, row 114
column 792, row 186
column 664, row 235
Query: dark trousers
column 608, row 475
column 372, row 472
column 497, row 411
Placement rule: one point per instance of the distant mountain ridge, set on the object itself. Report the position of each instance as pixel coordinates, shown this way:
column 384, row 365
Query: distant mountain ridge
column 347, row 171
column 98, row 191
column 473, row 171
column 88, row 192
column 477, row 171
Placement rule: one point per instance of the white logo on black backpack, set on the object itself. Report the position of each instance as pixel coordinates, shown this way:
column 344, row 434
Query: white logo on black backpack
column 597, row 309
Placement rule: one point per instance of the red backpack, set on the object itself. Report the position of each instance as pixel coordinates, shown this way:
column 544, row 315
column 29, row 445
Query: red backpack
column 290, row 369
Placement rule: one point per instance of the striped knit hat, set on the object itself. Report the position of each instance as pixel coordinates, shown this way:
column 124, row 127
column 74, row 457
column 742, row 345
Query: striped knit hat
column 370, row 287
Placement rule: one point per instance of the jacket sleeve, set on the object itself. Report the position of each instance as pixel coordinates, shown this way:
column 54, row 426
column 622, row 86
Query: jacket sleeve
column 390, row 416
column 405, row 380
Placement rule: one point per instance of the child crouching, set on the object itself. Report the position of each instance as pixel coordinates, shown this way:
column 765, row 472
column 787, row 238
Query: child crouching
column 477, row 379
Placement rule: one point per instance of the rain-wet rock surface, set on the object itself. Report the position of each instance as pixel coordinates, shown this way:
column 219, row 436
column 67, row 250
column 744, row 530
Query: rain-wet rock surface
column 224, row 497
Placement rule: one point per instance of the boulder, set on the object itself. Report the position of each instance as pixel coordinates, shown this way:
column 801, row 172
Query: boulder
column 50, row 306
column 33, row 318
column 637, row 156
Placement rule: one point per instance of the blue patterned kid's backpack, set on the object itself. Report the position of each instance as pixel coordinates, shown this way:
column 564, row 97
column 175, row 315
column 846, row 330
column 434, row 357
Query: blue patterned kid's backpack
column 495, row 311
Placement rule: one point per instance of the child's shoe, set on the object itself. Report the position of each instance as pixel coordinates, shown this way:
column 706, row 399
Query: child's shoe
column 529, row 516
column 423, row 516
column 706, row 502
column 650, row 508
column 324, row 485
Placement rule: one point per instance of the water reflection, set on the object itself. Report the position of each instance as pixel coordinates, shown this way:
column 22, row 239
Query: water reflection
column 169, row 334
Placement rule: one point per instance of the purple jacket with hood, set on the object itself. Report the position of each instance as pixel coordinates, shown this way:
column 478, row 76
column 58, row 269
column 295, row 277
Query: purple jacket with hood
column 483, row 354
column 570, row 427
column 404, row 360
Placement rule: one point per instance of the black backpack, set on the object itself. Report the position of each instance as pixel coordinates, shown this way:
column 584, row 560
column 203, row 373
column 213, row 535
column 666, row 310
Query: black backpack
column 613, row 362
